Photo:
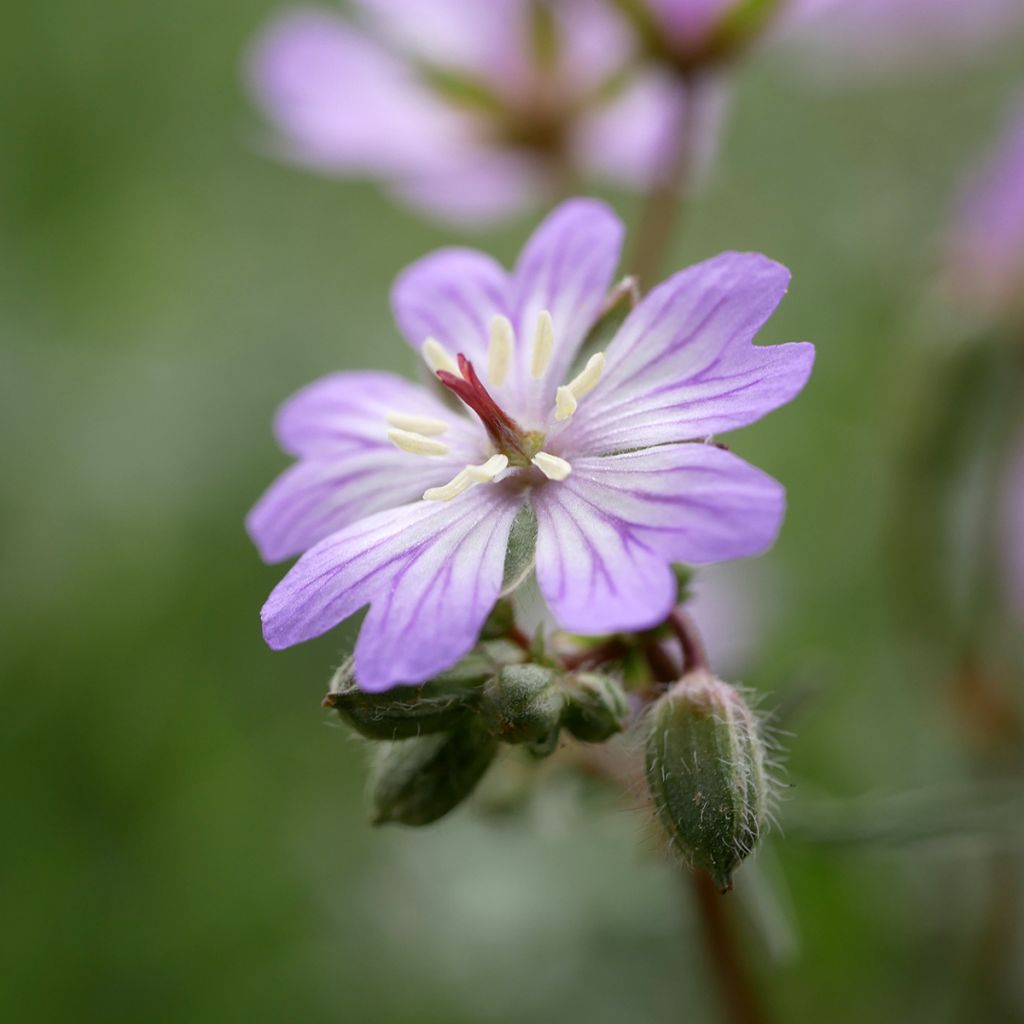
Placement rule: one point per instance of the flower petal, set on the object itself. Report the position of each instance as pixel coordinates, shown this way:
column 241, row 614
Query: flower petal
column 342, row 102
column 430, row 571
column 345, row 413
column 608, row 533
column 683, row 367
column 566, row 268
column 317, row 497
column 451, row 295
column 478, row 185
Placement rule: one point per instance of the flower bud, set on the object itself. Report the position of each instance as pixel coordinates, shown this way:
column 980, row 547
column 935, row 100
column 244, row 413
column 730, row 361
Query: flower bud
column 437, row 705
column 706, row 773
column 523, row 703
column 417, row 781
column 595, row 707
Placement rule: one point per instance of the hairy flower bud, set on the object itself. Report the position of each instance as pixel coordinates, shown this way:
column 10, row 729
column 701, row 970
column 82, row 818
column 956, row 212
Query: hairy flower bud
column 438, row 705
column 523, row 704
column 419, row 780
column 706, row 773
column 406, row 711
column 595, row 706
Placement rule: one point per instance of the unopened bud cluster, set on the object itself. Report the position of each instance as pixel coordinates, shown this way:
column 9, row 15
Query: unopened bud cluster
column 707, row 773
column 438, row 739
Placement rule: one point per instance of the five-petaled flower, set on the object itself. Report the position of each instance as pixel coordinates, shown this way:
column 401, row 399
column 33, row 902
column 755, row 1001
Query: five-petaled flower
column 469, row 110
column 405, row 502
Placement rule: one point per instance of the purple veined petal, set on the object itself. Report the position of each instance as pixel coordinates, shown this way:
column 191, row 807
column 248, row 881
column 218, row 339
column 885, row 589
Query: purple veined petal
column 430, row 571
column 985, row 251
column 451, row 295
column 683, row 366
column 478, row 186
column 1013, row 530
column 319, row 496
column 608, row 533
column 565, row 268
column 342, row 103
column 347, row 413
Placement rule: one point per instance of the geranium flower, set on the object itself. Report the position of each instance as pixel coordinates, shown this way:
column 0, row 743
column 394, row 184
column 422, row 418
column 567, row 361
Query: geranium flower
column 467, row 110
column 406, row 502
column 985, row 258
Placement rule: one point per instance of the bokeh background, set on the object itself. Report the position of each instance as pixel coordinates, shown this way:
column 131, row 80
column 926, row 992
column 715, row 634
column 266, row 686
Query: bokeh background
column 184, row 833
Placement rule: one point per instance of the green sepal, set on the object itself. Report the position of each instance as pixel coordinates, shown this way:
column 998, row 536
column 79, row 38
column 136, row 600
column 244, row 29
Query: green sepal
column 595, row 706
column 442, row 703
column 523, row 703
column 522, row 549
column 417, row 781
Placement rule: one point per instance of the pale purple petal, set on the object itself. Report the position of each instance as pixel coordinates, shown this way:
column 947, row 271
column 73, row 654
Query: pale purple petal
column 431, row 572
column 345, row 413
column 485, row 40
column 608, row 533
column 985, row 260
column 1013, row 531
column 317, row 497
column 631, row 140
column 349, row 469
column 451, row 295
column 690, row 23
column 683, row 366
column 477, row 186
column 594, row 44
column 566, row 268
column 343, row 103
column 864, row 37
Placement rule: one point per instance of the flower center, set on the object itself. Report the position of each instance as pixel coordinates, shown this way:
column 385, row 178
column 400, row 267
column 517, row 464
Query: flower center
column 516, row 447
column 509, row 438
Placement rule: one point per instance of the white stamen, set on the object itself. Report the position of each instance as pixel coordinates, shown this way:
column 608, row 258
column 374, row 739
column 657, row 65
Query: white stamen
column 437, row 357
column 568, row 395
column 499, row 351
column 425, row 425
column 565, row 403
column 466, row 478
column 543, row 344
column 551, row 466
column 416, row 444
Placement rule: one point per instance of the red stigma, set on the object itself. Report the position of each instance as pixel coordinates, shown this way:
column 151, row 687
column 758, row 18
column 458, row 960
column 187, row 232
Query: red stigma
column 506, row 434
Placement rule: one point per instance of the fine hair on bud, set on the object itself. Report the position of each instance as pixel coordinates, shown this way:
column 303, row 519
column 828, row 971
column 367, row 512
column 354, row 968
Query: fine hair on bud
column 596, row 707
column 707, row 772
column 523, row 704
column 417, row 781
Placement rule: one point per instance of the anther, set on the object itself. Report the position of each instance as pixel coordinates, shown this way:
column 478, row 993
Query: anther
column 568, row 395
column 551, row 466
column 437, row 357
column 499, row 351
column 425, row 425
column 543, row 344
column 416, row 444
column 466, row 478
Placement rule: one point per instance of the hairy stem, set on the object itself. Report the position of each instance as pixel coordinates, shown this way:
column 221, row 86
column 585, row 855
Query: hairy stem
column 740, row 1003
column 694, row 654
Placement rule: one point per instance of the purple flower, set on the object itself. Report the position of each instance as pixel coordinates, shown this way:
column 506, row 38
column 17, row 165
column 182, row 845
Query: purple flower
column 985, row 259
column 406, row 503
column 466, row 110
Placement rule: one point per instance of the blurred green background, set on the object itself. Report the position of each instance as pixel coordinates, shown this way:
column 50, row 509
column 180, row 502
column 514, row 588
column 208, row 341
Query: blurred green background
column 185, row 837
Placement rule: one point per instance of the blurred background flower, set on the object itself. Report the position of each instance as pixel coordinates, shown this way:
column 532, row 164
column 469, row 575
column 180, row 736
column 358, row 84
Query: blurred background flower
column 469, row 111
